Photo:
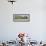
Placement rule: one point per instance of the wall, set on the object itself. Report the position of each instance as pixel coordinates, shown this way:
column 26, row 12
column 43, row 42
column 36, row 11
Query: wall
column 36, row 27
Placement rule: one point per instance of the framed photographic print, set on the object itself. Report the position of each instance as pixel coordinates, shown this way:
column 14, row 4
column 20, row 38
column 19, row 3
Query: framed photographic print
column 21, row 17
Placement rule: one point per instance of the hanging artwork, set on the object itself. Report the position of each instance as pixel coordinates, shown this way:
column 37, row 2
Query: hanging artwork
column 21, row 17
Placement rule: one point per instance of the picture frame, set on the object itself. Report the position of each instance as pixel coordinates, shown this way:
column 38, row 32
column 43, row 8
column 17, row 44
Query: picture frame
column 21, row 17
